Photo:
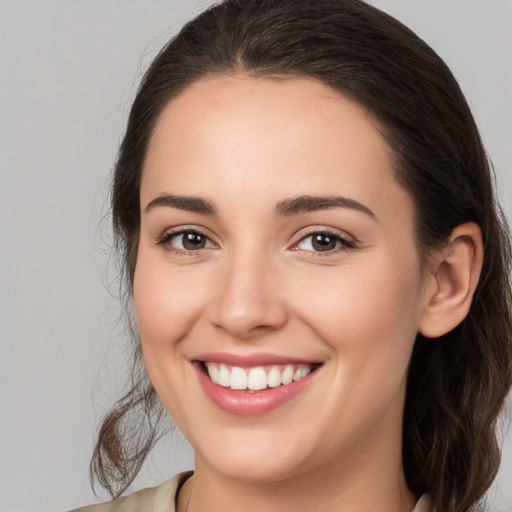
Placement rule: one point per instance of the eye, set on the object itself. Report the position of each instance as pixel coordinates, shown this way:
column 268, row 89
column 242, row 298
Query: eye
column 185, row 241
column 324, row 241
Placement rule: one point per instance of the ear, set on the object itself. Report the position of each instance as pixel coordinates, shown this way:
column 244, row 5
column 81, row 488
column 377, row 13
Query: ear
column 451, row 281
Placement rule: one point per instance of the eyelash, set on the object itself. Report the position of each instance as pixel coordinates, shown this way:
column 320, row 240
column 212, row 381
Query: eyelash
column 346, row 244
column 168, row 236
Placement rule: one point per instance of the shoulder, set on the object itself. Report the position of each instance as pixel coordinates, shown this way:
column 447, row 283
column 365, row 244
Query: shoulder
column 423, row 505
column 153, row 499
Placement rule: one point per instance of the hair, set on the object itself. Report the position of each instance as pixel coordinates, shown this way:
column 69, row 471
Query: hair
column 457, row 383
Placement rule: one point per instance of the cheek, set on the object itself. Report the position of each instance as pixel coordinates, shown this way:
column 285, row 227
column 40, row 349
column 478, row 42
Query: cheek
column 370, row 331
column 166, row 306
column 350, row 303
column 368, row 317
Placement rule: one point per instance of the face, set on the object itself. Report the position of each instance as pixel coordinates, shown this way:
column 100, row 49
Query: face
column 277, row 255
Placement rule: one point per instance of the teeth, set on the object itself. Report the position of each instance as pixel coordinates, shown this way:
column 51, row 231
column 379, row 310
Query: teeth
column 304, row 371
column 213, row 372
column 238, row 379
column 224, row 377
column 258, row 378
column 287, row 375
column 274, row 377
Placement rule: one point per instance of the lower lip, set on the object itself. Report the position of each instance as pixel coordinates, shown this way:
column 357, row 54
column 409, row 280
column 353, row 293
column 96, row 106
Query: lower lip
column 244, row 403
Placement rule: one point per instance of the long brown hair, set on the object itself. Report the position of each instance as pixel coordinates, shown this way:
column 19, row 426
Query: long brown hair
column 456, row 384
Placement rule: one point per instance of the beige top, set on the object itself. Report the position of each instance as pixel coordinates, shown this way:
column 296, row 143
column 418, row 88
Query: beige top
column 163, row 499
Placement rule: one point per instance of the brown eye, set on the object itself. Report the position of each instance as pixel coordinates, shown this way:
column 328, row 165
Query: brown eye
column 192, row 241
column 324, row 242
column 186, row 241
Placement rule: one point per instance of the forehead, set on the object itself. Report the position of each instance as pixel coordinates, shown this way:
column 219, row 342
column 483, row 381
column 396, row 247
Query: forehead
column 228, row 111
column 243, row 136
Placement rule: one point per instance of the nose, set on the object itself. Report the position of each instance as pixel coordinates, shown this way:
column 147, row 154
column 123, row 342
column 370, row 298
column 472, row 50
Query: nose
column 248, row 301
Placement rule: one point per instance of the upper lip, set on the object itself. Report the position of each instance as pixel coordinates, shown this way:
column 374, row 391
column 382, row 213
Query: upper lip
column 250, row 360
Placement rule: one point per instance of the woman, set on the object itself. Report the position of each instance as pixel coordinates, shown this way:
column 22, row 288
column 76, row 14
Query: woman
column 318, row 267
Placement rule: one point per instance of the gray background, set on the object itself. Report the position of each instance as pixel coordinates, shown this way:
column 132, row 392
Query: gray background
column 68, row 70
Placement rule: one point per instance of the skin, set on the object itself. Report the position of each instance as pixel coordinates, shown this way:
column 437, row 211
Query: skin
column 258, row 285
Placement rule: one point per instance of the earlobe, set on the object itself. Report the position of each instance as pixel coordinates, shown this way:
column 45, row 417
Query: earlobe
column 452, row 281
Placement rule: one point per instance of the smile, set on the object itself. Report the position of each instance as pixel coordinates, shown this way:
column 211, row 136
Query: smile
column 257, row 378
column 254, row 385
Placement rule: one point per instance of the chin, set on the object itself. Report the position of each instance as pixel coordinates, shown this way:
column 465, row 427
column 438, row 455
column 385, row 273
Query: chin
column 256, row 470
column 254, row 458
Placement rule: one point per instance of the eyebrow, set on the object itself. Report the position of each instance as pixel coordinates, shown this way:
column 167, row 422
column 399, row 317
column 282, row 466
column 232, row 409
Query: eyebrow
column 189, row 203
column 302, row 204
column 284, row 208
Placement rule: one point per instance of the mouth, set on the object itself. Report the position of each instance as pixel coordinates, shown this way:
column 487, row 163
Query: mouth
column 257, row 378
column 254, row 385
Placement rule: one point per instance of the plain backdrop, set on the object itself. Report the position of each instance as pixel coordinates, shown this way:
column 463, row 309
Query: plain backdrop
column 68, row 70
